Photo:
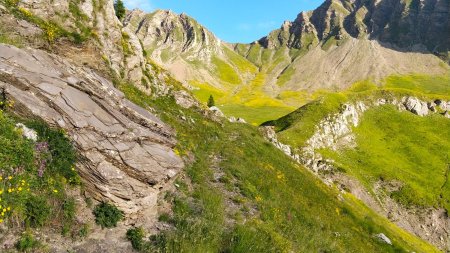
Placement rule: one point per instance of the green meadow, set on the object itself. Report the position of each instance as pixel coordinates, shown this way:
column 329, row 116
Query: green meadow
column 395, row 146
column 392, row 146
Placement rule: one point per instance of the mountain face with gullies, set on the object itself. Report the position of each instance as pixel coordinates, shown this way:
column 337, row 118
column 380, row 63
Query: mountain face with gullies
column 332, row 47
column 187, row 48
column 407, row 25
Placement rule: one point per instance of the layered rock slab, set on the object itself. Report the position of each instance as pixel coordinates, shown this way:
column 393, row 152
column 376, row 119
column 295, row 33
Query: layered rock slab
column 126, row 154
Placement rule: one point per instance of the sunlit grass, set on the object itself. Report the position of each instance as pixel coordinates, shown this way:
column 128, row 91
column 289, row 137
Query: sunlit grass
column 420, row 83
column 391, row 145
column 255, row 115
column 292, row 210
column 402, row 147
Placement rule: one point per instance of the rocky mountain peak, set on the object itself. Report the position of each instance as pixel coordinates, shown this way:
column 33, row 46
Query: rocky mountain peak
column 286, row 25
column 168, row 31
column 411, row 25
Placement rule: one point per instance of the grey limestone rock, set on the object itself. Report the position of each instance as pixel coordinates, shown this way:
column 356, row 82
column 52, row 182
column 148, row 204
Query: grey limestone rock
column 126, row 151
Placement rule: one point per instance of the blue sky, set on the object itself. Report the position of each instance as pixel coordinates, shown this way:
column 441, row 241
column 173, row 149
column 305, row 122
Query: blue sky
column 233, row 20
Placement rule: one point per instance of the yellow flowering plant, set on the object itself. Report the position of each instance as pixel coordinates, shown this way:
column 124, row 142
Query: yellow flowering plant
column 34, row 176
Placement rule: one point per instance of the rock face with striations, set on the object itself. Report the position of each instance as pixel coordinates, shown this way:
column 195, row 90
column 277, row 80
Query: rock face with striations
column 126, row 152
column 115, row 45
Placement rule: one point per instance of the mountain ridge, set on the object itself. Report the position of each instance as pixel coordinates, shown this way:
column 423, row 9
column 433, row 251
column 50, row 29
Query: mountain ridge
column 316, row 51
column 421, row 22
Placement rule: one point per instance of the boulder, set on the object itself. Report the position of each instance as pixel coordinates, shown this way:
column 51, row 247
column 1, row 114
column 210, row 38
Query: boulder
column 416, row 106
column 126, row 151
column 445, row 106
column 382, row 237
column 28, row 133
column 217, row 112
column 241, row 120
column 446, row 114
column 184, row 99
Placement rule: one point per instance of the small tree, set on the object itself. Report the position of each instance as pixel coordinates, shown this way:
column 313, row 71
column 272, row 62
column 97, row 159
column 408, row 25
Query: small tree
column 119, row 7
column 211, row 102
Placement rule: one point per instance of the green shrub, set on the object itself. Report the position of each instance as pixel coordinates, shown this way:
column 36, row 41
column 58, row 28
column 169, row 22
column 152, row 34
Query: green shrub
column 77, row 12
column 37, row 211
column 136, row 237
column 84, row 231
column 159, row 241
column 27, row 243
column 164, row 218
column 107, row 215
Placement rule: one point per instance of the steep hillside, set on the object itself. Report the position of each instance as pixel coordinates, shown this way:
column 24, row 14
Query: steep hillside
column 233, row 196
column 389, row 147
column 86, row 32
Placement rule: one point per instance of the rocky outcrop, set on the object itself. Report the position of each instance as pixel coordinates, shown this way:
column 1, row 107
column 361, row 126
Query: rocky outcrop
column 216, row 111
column 335, row 132
column 384, row 238
column 106, row 44
column 125, row 152
column 269, row 133
column 28, row 133
column 233, row 119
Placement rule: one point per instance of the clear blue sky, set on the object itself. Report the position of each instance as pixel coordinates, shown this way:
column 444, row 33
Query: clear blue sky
column 233, row 20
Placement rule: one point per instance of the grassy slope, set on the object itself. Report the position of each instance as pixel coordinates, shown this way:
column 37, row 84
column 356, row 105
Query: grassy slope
column 438, row 85
column 401, row 146
column 279, row 206
column 391, row 145
column 255, row 114
column 298, row 126
column 242, row 94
